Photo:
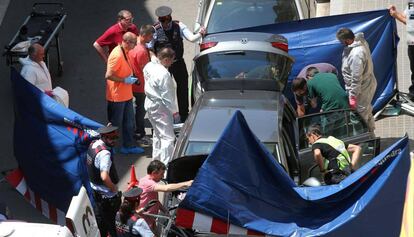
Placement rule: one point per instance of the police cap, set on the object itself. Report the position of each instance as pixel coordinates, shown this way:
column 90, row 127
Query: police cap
column 163, row 11
column 107, row 129
column 132, row 194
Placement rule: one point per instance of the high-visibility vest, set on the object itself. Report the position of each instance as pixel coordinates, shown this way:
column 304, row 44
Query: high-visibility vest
column 343, row 159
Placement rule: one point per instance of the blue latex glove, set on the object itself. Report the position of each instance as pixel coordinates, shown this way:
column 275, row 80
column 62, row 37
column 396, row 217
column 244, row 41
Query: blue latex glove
column 130, row 80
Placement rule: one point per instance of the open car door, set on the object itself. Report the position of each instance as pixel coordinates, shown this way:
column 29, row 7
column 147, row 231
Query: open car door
column 346, row 125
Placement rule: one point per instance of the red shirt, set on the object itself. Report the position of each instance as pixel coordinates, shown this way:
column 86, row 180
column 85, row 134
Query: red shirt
column 113, row 36
column 139, row 58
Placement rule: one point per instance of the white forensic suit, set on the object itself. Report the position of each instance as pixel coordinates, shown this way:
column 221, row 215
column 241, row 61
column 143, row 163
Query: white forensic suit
column 359, row 78
column 160, row 104
column 36, row 73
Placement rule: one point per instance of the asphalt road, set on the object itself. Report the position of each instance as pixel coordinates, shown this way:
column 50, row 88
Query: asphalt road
column 83, row 75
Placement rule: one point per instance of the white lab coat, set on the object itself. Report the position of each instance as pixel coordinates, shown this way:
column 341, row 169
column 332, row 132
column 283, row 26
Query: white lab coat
column 160, row 104
column 359, row 78
column 36, row 73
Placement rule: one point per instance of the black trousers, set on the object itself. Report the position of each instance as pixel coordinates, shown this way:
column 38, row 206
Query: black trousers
column 410, row 53
column 139, row 114
column 105, row 211
column 179, row 70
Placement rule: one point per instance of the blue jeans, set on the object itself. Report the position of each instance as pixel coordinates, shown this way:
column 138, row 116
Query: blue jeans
column 139, row 114
column 121, row 114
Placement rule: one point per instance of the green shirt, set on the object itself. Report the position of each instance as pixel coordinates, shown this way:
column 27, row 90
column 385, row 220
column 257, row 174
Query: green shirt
column 326, row 87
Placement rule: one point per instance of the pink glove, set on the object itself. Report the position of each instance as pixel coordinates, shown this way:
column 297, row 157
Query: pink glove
column 49, row 93
column 176, row 118
column 352, row 102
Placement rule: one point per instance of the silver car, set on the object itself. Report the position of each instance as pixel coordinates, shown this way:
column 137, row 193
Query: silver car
column 273, row 120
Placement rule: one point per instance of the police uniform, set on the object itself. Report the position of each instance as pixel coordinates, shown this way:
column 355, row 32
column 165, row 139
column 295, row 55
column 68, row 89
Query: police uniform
column 100, row 158
column 173, row 38
column 134, row 226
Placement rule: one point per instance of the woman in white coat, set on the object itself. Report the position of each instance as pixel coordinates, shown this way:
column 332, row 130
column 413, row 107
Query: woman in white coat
column 161, row 104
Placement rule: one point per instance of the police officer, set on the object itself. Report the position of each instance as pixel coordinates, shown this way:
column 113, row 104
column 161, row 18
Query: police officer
column 169, row 33
column 103, row 179
column 127, row 221
column 331, row 155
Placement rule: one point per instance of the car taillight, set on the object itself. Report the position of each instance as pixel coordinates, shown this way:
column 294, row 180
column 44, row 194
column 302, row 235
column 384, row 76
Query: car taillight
column 208, row 45
column 281, row 46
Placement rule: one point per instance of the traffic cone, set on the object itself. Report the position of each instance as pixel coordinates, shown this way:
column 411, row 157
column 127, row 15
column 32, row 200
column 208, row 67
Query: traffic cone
column 133, row 180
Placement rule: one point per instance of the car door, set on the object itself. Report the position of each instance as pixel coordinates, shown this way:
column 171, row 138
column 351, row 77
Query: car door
column 346, row 125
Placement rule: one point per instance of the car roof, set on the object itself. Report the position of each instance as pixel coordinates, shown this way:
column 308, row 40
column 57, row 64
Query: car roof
column 254, row 41
column 216, row 108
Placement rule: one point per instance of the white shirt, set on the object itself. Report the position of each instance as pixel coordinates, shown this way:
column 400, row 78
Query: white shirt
column 410, row 25
column 36, row 73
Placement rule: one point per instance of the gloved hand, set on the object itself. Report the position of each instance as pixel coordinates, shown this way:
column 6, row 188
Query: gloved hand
column 49, row 93
column 130, row 80
column 176, row 118
column 353, row 102
column 202, row 31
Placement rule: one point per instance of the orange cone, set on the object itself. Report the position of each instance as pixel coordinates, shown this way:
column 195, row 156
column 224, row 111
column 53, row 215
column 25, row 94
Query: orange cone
column 133, row 180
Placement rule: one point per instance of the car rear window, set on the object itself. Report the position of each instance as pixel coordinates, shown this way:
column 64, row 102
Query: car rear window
column 236, row 14
column 248, row 65
column 202, row 148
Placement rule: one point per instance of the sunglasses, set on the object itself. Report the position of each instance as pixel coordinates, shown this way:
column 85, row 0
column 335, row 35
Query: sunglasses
column 128, row 19
column 164, row 19
column 111, row 136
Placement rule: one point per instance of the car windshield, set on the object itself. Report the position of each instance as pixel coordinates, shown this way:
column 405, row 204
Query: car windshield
column 201, row 148
column 236, row 14
column 250, row 65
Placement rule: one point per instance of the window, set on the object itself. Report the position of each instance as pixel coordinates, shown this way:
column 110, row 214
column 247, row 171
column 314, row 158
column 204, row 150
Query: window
column 340, row 124
column 247, row 65
column 237, row 14
column 200, row 148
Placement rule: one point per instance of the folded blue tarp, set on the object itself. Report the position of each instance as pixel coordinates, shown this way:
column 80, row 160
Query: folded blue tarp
column 314, row 41
column 241, row 182
column 50, row 144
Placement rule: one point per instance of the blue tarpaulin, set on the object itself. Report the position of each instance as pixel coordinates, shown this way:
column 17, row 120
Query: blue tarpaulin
column 241, row 182
column 314, row 41
column 50, row 144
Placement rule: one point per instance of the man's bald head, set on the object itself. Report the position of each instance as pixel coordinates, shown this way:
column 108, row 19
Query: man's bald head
column 129, row 40
column 36, row 52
